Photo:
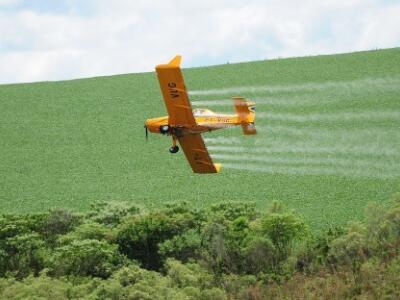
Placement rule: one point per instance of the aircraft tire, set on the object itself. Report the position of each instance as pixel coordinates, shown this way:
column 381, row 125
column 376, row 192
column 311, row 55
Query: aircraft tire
column 174, row 149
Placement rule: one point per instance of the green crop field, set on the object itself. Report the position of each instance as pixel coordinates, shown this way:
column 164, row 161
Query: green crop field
column 328, row 138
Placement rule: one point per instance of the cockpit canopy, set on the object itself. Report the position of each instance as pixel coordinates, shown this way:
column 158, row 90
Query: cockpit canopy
column 200, row 112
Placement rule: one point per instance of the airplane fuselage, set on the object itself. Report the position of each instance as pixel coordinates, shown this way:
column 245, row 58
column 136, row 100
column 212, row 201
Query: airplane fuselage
column 204, row 123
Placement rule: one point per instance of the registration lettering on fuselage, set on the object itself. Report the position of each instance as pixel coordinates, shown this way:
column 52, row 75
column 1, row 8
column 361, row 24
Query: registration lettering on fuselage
column 216, row 119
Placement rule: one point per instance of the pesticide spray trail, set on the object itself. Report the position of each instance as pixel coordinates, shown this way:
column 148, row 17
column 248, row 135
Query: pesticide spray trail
column 329, row 117
column 341, row 155
column 378, row 83
column 293, row 101
column 377, row 140
column 293, row 149
column 361, row 142
column 363, row 164
column 223, row 140
column 258, row 101
column 307, row 170
column 337, row 159
column 280, row 135
column 343, row 97
column 319, row 132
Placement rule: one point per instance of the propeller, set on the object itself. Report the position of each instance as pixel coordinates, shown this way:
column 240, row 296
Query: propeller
column 146, row 132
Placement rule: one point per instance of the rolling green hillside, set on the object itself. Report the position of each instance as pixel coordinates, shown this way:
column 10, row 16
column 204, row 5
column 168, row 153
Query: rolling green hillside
column 328, row 138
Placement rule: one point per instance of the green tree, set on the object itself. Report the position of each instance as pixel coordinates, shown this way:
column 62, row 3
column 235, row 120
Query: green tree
column 112, row 212
column 58, row 222
column 183, row 247
column 259, row 255
column 231, row 210
column 89, row 231
column 350, row 249
column 86, row 258
column 23, row 254
column 283, row 229
column 139, row 237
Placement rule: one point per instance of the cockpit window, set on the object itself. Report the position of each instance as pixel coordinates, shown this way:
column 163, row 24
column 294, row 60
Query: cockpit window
column 198, row 112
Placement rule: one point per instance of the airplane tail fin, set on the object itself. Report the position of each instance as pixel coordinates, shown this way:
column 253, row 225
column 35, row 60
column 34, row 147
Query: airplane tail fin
column 246, row 112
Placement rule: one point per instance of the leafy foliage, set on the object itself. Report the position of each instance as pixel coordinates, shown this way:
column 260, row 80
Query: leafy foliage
column 226, row 251
column 23, row 254
column 111, row 213
column 282, row 229
column 86, row 258
column 139, row 237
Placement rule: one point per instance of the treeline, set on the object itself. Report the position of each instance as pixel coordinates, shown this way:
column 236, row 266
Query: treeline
column 229, row 250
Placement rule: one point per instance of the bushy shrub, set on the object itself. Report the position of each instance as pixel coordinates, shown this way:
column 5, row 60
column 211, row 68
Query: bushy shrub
column 89, row 231
column 183, row 247
column 11, row 225
column 231, row 210
column 283, row 229
column 139, row 237
column 189, row 274
column 259, row 255
column 383, row 230
column 112, row 212
column 350, row 250
column 23, row 255
column 240, row 287
column 58, row 222
column 312, row 254
column 225, row 242
column 86, row 258
column 180, row 282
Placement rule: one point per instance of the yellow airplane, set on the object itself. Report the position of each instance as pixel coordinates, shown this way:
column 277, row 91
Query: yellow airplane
column 186, row 124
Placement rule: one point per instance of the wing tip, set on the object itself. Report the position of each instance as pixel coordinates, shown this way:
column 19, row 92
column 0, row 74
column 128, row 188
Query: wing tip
column 174, row 63
column 217, row 167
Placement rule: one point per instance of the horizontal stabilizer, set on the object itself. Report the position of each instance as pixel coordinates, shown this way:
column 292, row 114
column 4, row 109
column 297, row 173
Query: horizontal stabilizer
column 246, row 113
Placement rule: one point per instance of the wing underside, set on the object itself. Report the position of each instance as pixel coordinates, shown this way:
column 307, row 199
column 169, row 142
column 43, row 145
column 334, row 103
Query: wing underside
column 180, row 115
column 174, row 93
column 197, row 155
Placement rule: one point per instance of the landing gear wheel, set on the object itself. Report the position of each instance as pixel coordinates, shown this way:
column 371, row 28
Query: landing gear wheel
column 174, row 149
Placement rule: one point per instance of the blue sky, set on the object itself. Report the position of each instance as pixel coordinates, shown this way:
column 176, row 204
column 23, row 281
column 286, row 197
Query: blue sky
column 65, row 39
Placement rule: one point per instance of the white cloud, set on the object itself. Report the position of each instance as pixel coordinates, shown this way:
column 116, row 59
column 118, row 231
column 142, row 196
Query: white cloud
column 133, row 36
column 8, row 2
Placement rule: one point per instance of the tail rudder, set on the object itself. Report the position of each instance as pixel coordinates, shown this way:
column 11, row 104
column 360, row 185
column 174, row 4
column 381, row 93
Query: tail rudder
column 246, row 113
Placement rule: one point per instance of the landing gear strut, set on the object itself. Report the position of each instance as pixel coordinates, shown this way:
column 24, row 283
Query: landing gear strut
column 174, row 148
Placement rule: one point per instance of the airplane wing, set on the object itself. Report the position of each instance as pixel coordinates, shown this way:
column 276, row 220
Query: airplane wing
column 174, row 92
column 197, row 155
column 180, row 113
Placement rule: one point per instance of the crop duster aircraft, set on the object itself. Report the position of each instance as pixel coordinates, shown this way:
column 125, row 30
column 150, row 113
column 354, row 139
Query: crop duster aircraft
column 186, row 124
